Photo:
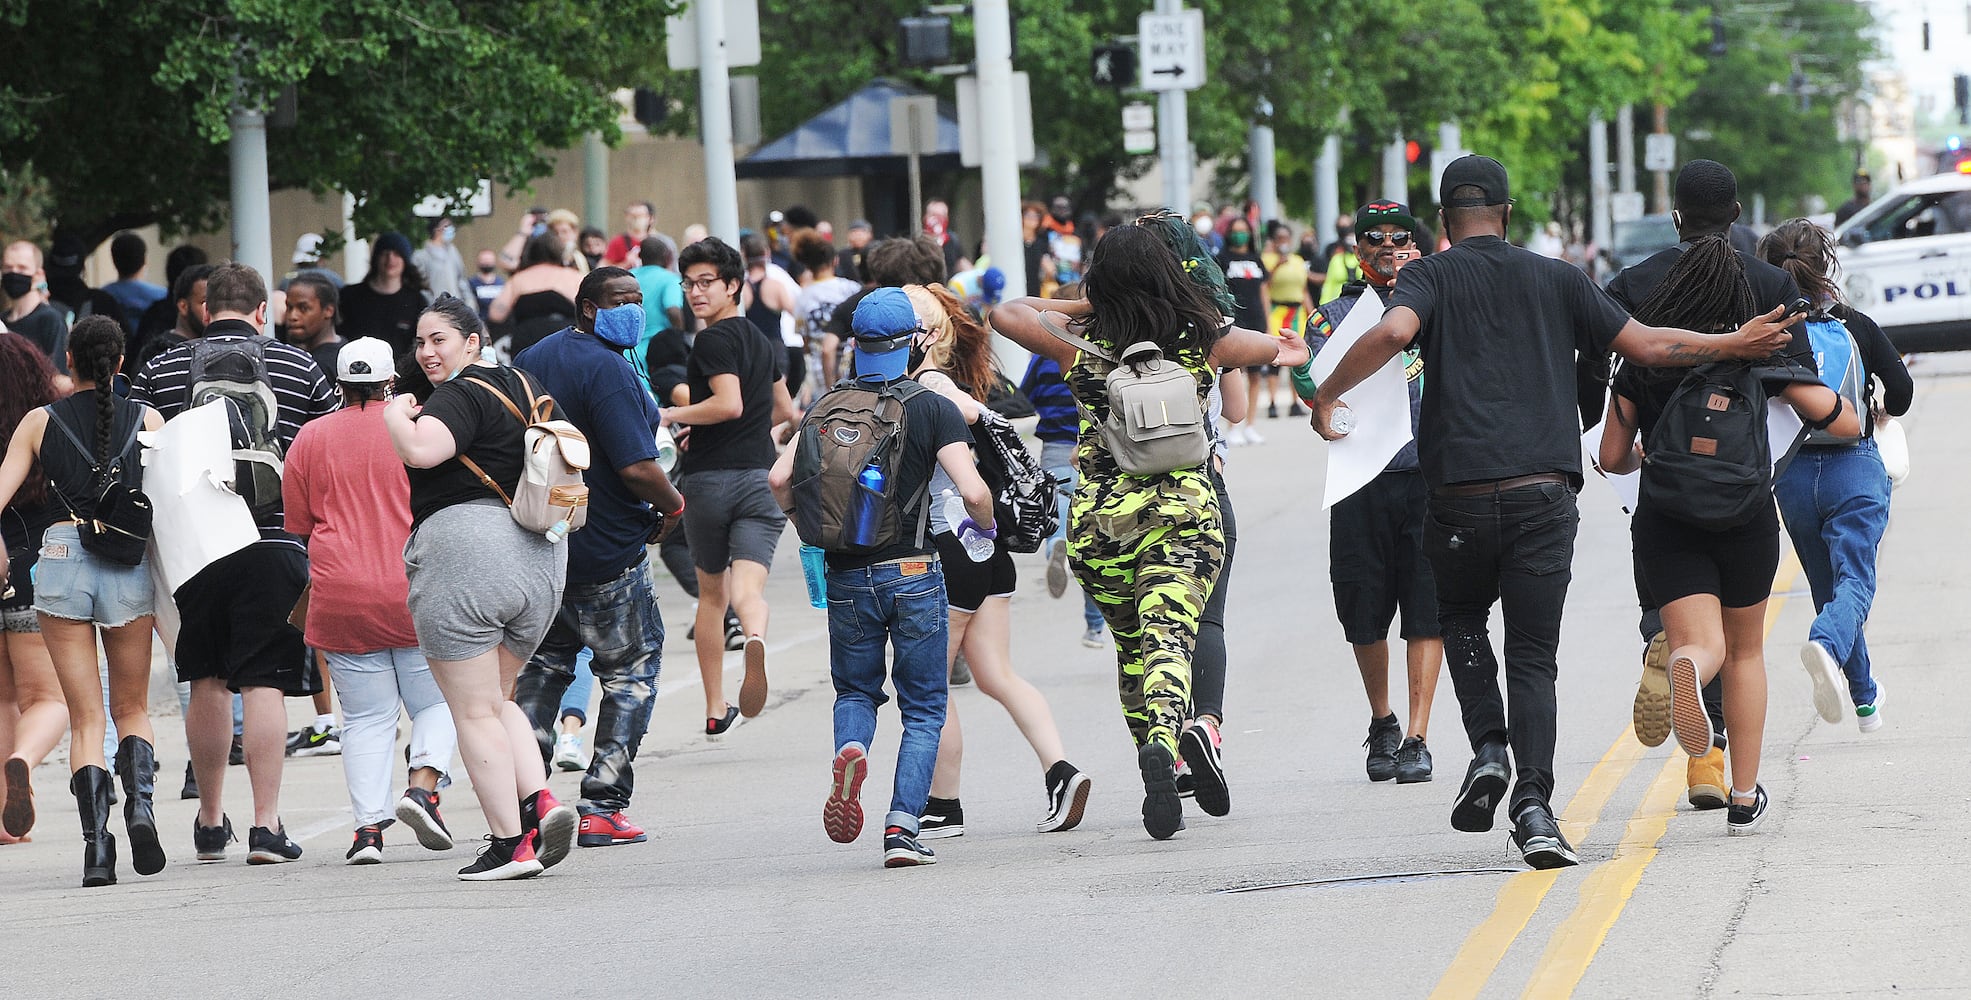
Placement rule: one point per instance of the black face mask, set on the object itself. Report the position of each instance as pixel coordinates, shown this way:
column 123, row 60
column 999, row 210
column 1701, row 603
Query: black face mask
column 487, row 270
column 16, row 285
column 1059, row 216
column 917, row 355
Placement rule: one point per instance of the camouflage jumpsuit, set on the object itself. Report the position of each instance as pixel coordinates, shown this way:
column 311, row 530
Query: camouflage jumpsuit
column 1148, row 550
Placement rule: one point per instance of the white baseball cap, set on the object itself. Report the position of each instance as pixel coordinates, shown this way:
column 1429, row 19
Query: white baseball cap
column 365, row 359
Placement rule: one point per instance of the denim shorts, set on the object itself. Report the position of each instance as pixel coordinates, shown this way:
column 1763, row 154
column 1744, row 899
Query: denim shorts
column 72, row 583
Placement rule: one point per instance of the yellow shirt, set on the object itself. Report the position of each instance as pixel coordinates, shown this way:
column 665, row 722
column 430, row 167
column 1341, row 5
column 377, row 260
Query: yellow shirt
column 1288, row 281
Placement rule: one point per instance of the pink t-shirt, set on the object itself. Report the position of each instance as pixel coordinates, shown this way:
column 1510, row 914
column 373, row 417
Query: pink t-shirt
column 345, row 491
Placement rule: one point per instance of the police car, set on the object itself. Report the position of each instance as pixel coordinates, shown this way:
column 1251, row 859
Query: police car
column 1906, row 262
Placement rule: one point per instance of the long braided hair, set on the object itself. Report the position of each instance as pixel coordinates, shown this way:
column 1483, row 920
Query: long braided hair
column 96, row 345
column 1705, row 291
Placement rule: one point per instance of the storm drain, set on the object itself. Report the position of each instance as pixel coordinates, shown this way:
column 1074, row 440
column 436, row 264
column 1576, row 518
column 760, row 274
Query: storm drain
column 1388, row 878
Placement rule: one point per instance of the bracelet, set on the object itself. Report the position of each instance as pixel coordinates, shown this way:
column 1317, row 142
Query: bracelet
column 678, row 512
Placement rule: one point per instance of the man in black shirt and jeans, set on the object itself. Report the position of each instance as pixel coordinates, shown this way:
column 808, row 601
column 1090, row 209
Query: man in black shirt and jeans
column 1499, row 328
column 737, row 395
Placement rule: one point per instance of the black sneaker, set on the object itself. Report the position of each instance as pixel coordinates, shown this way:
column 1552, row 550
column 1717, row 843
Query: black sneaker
column 735, row 637
column 210, row 841
column 1385, row 734
column 1742, row 819
column 1163, row 811
column 901, row 850
column 368, row 848
column 237, row 755
column 1539, row 839
column 418, row 809
column 1199, row 744
column 503, row 858
column 312, row 742
column 1412, row 761
column 270, row 847
column 1272, row 411
column 1067, row 797
column 1485, row 785
column 942, row 820
column 1295, row 410
column 190, row 791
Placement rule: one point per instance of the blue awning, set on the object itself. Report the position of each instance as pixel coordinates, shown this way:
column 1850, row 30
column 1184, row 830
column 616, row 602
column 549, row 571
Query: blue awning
column 852, row 139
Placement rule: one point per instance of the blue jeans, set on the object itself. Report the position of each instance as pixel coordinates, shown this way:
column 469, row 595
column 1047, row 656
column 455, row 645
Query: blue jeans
column 1057, row 457
column 618, row 620
column 871, row 607
column 1835, row 501
column 575, row 700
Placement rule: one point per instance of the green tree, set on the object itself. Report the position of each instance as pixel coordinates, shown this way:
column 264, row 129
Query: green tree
column 123, row 107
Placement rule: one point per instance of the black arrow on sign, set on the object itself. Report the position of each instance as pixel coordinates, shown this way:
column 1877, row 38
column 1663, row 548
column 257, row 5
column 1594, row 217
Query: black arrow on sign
column 1168, row 71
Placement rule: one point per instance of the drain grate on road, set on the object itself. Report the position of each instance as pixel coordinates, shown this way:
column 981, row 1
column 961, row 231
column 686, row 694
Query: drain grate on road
column 1387, row 878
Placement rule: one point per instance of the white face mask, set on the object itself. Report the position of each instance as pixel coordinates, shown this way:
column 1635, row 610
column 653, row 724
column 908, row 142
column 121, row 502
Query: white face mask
column 1202, row 225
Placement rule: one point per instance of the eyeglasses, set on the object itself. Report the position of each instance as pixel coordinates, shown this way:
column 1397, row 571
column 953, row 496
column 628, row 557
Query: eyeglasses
column 702, row 284
column 1376, row 238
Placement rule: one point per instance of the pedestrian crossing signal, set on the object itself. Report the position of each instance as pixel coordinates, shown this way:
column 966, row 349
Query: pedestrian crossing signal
column 1114, row 66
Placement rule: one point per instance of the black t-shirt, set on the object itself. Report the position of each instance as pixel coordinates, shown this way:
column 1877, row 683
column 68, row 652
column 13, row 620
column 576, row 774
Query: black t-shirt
column 930, row 422
column 734, row 346
column 842, row 323
column 484, row 429
column 1500, row 328
column 326, row 355
column 848, row 264
column 366, row 312
column 1771, row 288
column 44, row 327
column 1245, row 276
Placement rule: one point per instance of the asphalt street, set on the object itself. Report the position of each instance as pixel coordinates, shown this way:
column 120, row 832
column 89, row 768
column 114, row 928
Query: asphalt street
column 1318, row 884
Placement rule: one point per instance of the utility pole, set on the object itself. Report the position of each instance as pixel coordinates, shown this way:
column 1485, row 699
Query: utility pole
column 1661, row 203
column 999, row 167
column 1396, row 170
column 1327, row 188
column 1259, row 145
column 715, row 122
column 1625, row 149
column 595, row 181
column 253, row 238
column 1174, row 135
column 1600, row 229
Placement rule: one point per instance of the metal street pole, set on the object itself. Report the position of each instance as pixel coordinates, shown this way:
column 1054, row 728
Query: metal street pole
column 595, row 181
column 1625, row 149
column 1662, row 127
column 1396, row 171
column 1600, row 229
column 999, row 164
column 1265, row 185
column 1174, row 135
column 1327, row 188
column 715, row 123
column 253, row 237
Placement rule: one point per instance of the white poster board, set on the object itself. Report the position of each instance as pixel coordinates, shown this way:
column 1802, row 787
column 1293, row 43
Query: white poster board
column 1380, row 406
column 1784, row 432
column 196, row 518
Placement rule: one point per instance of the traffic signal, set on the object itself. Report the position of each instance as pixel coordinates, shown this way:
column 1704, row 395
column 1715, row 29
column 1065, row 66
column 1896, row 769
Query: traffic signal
column 649, row 107
column 924, row 41
column 1113, row 66
column 1961, row 84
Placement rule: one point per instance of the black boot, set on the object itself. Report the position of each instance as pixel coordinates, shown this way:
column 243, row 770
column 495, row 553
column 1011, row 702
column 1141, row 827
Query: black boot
column 91, row 786
column 136, row 764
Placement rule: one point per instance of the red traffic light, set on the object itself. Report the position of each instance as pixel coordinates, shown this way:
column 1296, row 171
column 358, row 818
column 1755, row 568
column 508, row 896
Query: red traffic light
column 1411, row 151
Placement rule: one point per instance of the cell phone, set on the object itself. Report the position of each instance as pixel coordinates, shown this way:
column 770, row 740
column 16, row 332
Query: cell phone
column 1798, row 307
column 1398, row 258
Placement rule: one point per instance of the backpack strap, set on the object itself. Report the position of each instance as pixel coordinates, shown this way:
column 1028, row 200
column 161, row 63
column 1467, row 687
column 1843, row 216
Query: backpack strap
column 1061, row 333
column 507, row 401
column 95, row 468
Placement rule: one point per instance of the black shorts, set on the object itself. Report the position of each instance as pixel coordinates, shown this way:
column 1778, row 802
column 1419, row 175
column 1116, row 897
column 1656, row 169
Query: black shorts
column 967, row 584
column 1377, row 563
column 1679, row 560
column 797, row 369
column 234, row 621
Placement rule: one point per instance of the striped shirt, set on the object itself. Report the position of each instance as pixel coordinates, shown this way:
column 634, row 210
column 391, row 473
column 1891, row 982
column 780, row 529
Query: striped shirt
column 301, row 392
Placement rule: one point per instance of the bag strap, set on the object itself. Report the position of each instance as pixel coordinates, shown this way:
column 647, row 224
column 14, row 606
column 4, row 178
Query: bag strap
column 1060, row 333
column 485, row 479
column 95, row 468
column 507, row 401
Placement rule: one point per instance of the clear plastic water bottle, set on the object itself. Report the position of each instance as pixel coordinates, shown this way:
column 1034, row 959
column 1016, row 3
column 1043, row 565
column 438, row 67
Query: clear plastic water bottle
column 814, row 568
column 868, row 510
column 667, row 450
column 978, row 547
column 1343, row 419
column 557, row 531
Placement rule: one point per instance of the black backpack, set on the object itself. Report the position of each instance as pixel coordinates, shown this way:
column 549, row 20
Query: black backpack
column 852, row 429
column 1708, row 462
column 121, row 526
column 1024, row 505
column 236, row 370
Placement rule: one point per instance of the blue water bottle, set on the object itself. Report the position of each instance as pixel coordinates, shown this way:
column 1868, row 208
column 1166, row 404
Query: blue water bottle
column 867, row 514
column 814, row 568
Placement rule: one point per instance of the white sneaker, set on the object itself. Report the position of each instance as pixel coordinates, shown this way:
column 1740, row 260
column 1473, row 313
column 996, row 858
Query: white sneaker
column 1095, row 638
column 1254, row 437
column 568, row 753
column 1869, row 716
column 1828, row 685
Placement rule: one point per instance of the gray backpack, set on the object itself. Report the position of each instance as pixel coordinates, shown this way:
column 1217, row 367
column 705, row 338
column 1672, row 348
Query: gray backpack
column 1156, row 423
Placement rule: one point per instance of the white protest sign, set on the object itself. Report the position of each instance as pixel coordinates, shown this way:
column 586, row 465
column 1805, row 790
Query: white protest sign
column 196, row 518
column 1381, row 407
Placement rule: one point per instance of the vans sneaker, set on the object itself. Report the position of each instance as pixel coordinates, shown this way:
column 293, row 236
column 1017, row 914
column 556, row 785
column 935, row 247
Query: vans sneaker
column 1742, row 818
column 1688, row 719
column 1869, row 716
column 942, row 820
column 1067, row 797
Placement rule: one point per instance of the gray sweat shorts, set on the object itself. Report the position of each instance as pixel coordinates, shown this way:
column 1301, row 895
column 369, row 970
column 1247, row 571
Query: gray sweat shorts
column 480, row 581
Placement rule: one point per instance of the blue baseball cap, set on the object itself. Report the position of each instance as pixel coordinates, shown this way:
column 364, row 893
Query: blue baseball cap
column 884, row 324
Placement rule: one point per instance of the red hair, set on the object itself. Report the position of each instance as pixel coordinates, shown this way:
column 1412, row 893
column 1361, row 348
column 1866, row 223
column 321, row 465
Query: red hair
column 27, row 381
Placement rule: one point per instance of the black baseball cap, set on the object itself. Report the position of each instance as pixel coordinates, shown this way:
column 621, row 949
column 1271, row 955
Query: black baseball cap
column 1482, row 172
column 1384, row 212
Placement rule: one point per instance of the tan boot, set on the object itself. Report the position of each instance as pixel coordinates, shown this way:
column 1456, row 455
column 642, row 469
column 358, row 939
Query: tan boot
column 1652, row 708
column 1706, row 777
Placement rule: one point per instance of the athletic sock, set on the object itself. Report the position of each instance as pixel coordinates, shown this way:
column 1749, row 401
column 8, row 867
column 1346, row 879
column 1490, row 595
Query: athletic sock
column 324, row 723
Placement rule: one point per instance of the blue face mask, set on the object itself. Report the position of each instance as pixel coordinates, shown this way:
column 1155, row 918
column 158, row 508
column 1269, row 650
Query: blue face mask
column 620, row 326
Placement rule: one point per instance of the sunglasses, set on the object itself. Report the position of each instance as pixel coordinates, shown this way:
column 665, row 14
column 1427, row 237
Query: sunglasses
column 1376, row 238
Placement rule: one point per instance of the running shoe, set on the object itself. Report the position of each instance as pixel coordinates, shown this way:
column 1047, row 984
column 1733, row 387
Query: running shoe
column 1651, row 713
column 608, row 830
column 901, row 849
column 1826, row 675
column 1163, row 811
column 753, row 689
column 1067, row 798
column 368, row 848
column 717, row 728
column 1743, row 818
column 841, row 815
column 270, row 847
column 17, row 817
column 568, row 752
column 735, row 637
column 236, row 756
column 1704, row 776
column 210, row 841
column 1869, row 716
column 504, row 858
column 1688, row 719
column 1294, row 409
column 1199, row 745
column 1096, row 638
column 1485, row 784
column 552, row 825
column 1253, row 436
column 961, row 671
column 1385, row 736
column 190, row 791
column 941, row 821
column 418, row 809
column 1187, row 786
column 1272, row 411
column 1539, row 838
column 1057, row 568
column 312, row 742
column 1412, row 761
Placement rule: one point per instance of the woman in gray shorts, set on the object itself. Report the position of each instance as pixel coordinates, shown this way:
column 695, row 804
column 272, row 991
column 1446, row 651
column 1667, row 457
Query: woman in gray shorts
column 482, row 588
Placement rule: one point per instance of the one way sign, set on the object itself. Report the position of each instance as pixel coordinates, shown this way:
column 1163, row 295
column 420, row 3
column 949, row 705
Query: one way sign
column 1173, row 50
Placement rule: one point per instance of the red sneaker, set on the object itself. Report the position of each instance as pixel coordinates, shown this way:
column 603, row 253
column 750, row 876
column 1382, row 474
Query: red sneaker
column 841, row 816
column 608, row 830
column 552, row 825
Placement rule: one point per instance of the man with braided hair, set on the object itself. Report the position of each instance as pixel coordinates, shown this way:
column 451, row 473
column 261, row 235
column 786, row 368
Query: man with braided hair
column 1706, row 203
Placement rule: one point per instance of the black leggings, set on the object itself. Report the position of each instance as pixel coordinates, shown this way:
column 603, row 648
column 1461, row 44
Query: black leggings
column 1208, row 663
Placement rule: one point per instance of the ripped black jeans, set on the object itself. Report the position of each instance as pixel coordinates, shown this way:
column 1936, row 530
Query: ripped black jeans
column 1516, row 548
